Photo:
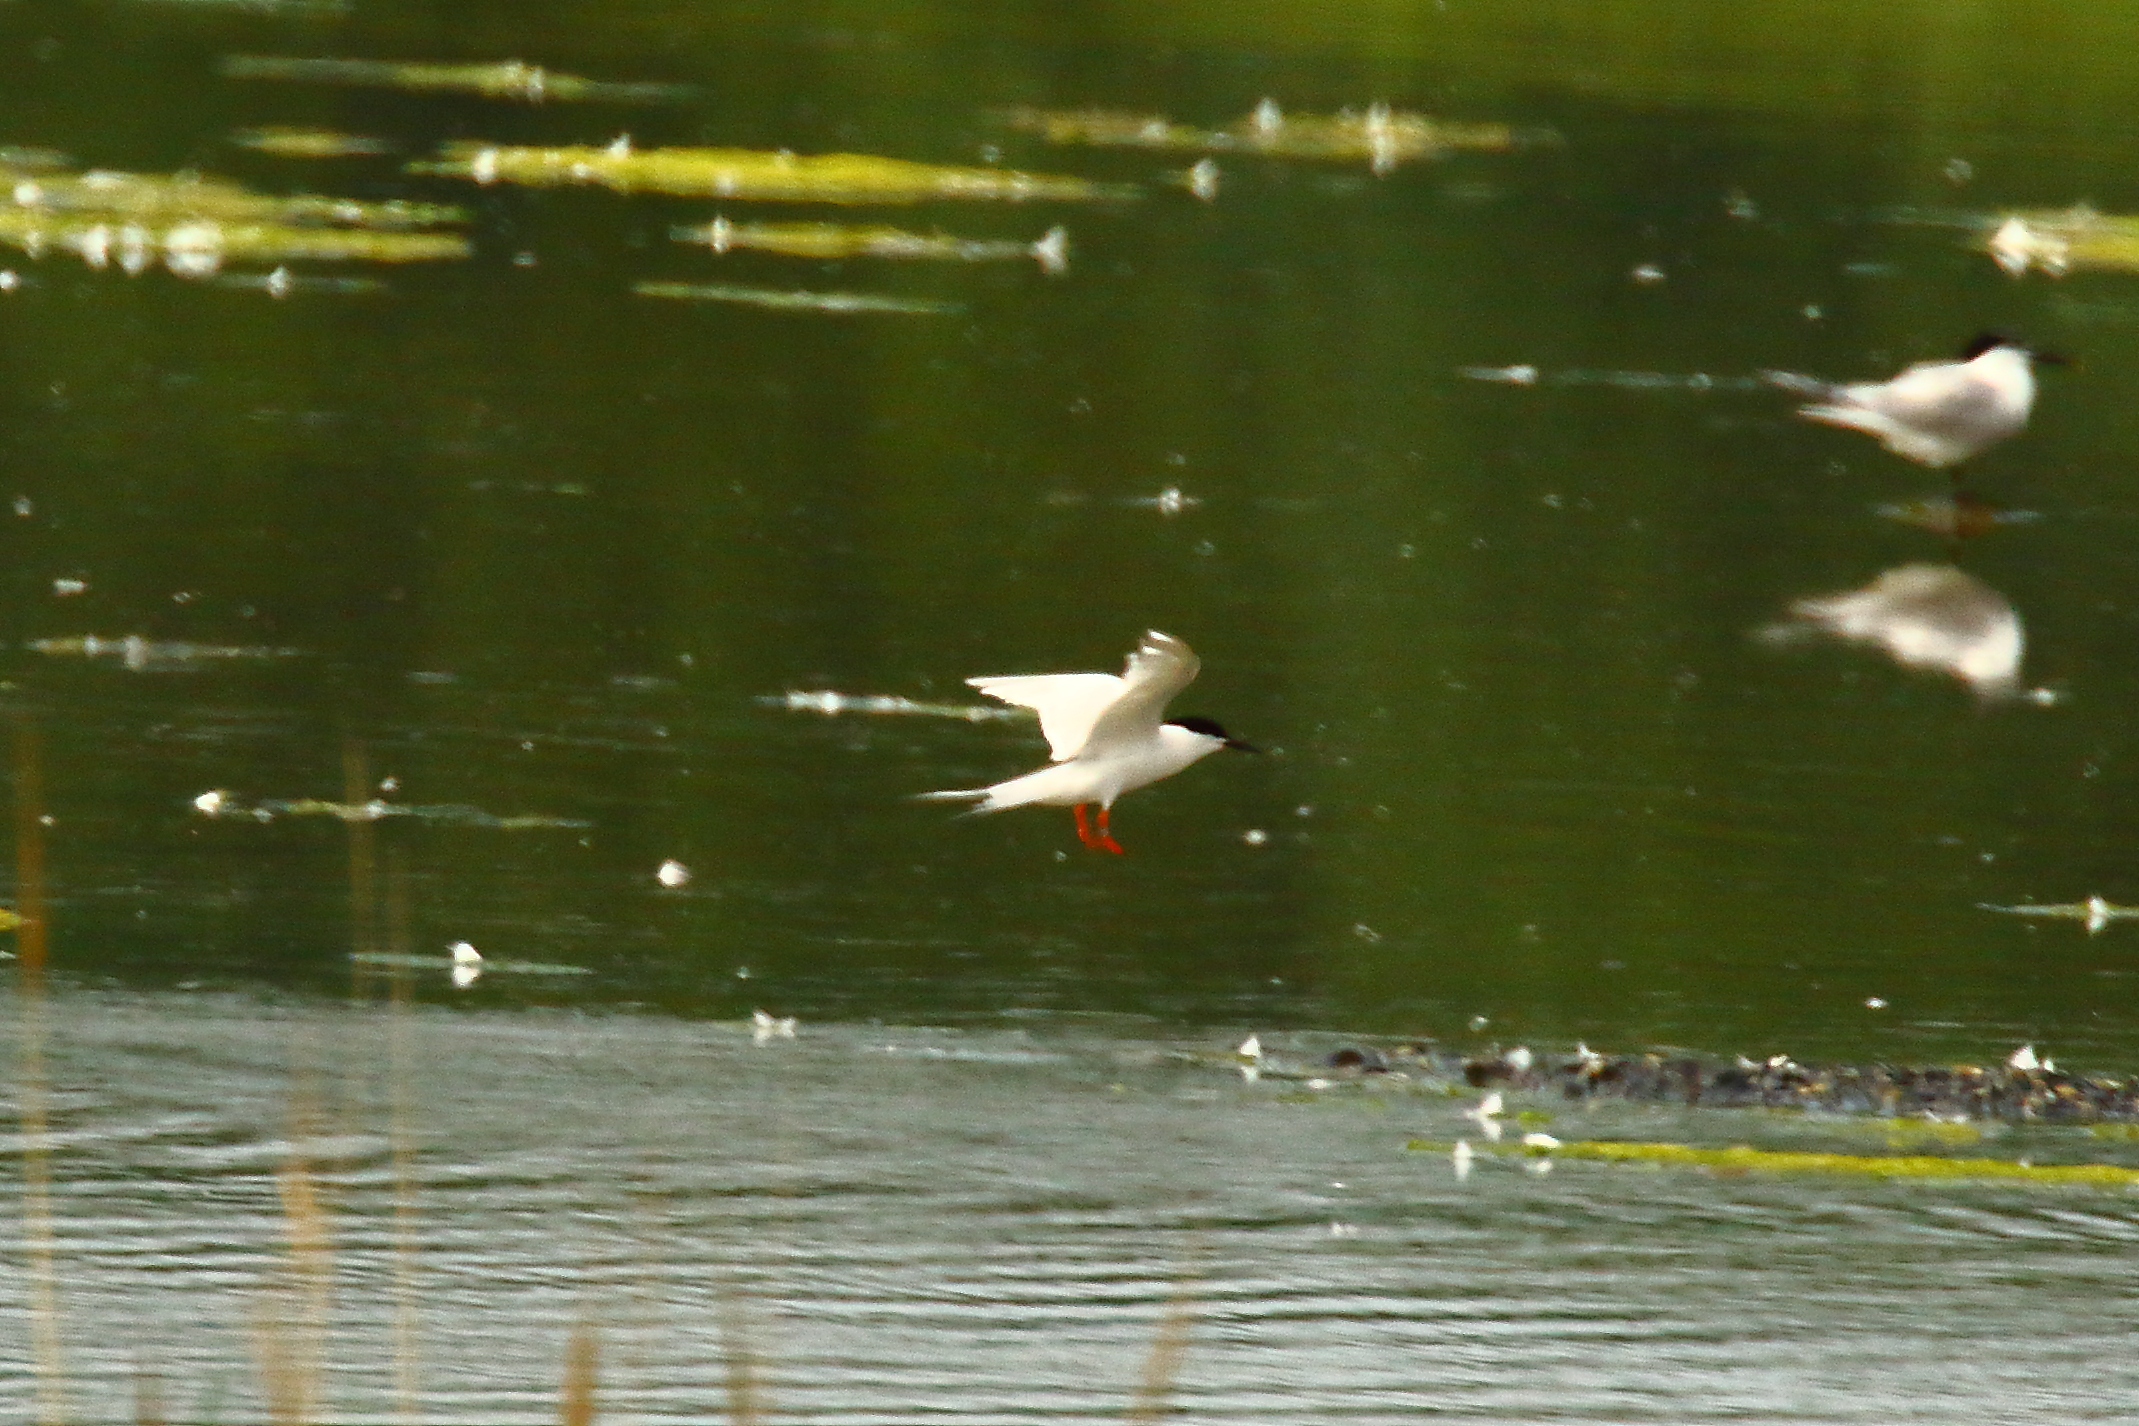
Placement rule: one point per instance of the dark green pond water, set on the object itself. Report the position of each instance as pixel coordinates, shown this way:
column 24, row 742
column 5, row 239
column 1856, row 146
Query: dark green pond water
column 526, row 543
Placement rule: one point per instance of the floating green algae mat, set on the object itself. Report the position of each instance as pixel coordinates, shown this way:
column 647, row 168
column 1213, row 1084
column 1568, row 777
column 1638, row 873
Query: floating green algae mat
column 845, row 240
column 502, row 79
column 756, row 174
column 1381, row 137
column 290, row 141
column 780, row 300
column 111, row 196
column 1741, row 1158
column 195, row 225
column 199, row 249
column 2058, row 242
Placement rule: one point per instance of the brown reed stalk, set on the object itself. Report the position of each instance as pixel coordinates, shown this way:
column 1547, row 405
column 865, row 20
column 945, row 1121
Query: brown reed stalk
column 290, row 1317
column 284, row 1379
column 1169, row 1345
column 401, row 1140
column 746, row 1405
column 30, row 945
column 148, row 1394
column 30, row 856
column 582, row 1371
column 363, row 892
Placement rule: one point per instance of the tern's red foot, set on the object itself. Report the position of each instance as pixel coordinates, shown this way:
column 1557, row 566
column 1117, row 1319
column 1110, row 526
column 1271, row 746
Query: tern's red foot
column 1098, row 839
column 1106, row 838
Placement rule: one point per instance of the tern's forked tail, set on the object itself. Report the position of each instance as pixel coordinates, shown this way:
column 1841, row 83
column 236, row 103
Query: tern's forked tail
column 1057, row 783
column 1801, row 385
column 982, row 798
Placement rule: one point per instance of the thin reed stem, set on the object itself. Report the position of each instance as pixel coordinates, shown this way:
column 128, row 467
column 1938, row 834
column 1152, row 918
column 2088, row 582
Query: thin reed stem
column 30, row 946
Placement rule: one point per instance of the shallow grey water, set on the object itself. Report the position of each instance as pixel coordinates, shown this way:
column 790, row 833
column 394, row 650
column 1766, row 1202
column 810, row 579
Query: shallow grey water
column 909, row 1223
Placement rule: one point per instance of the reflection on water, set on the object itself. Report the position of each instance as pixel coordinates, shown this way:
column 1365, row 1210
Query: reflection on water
column 1927, row 616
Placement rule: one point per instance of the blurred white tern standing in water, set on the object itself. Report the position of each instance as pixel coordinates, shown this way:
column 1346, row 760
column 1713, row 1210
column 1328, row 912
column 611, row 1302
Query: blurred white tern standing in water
column 1935, row 413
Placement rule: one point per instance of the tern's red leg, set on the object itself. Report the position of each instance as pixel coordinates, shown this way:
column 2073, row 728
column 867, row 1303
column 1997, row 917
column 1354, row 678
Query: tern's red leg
column 1084, row 828
column 1106, row 838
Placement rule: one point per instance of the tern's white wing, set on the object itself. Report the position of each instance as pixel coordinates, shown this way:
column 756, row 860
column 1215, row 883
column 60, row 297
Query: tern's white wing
column 1161, row 667
column 1929, row 393
column 1068, row 703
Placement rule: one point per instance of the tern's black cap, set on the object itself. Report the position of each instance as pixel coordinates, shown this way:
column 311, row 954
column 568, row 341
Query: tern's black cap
column 1210, row 728
column 1990, row 341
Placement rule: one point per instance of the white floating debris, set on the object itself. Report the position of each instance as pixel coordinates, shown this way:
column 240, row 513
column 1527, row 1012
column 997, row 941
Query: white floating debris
column 2094, row 913
column 1170, row 502
column 1522, row 374
column 1519, row 1059
column 673, row 874
column 1051, row 251
column 67, row 588
column 467, row 964
column 210, row 803
column 2024, row 1058
column 1461, row 1157
column 831, row 704
column 1250, row 1048
column 1873, row 1002
column 1648, row 274
column 1487, row 1115
column 764, row 1027
column 142, row 654
column 2016, row 247
column 1527, row 375
column 1542, row 1142
column 1202, row 180
column 378, row 810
